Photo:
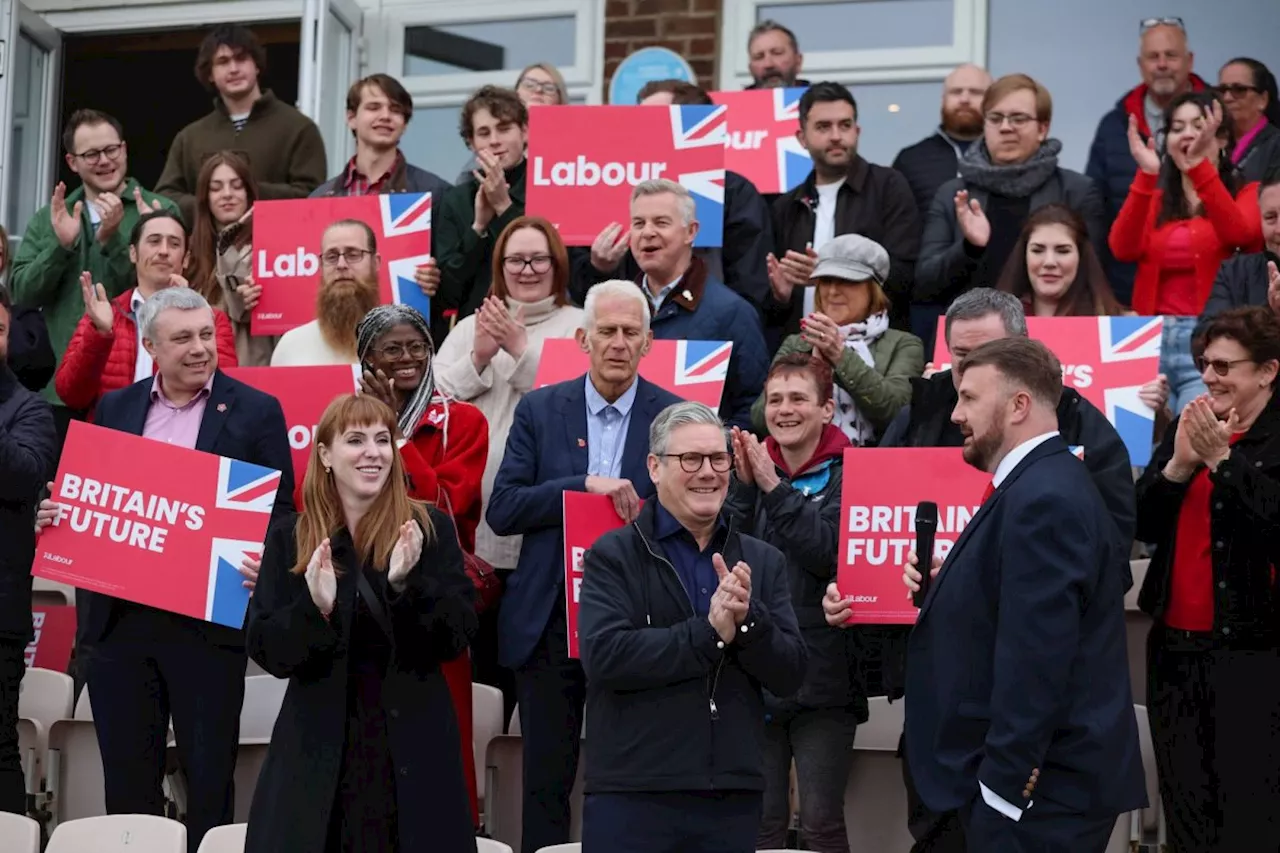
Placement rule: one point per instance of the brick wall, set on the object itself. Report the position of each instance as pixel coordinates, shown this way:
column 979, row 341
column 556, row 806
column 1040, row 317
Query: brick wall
column 689, row 27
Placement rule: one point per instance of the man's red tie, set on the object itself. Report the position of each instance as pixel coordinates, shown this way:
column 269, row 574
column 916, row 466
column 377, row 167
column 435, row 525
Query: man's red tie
column 990, row 490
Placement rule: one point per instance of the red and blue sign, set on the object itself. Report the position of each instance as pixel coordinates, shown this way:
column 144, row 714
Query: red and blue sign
column 584, row 161
column 762, row 145
column 170, row 534
column 286, row 252
column 692, row 370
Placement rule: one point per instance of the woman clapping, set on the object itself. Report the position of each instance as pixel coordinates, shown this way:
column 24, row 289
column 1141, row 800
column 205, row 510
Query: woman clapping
column 359, row 600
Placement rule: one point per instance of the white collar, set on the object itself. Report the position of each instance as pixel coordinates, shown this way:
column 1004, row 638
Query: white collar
column 1013, row 457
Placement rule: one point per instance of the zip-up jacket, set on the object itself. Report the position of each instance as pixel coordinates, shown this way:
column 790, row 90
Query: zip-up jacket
column 672, row 707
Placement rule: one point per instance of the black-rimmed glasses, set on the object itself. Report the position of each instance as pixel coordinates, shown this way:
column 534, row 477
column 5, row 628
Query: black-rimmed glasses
column 351, row 256
column 692, row 462
column 515, row 264
column 93, row 155
column 1221, row 366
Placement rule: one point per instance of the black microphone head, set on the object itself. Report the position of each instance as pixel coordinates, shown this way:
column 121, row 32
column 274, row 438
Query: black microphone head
column 927, row 515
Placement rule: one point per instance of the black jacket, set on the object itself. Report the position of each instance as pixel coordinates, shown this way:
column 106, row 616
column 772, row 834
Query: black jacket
column 1262, row 156
column 874, row 201
column 928, row 165
column 807, row 531
column 739, row 263
column 671, row 707
column 1244, row 520
column 1241, row 282
column 28, row 459
column 31, row 355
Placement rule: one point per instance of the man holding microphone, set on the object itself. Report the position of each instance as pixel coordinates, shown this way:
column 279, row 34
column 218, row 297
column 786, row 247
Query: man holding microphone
column 1024, row 730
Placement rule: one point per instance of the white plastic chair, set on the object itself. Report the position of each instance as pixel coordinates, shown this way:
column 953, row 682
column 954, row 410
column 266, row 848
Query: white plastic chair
column 573, row 847
column 119, row 833
column 504, row 772
column 486, row 724
column 883, row 727
column 21, row 834
column 488, row 845
column 47, row 593
column 44, row 697
column 875, row 800
column 74, row 767
column 263, row 696
column 224, row 839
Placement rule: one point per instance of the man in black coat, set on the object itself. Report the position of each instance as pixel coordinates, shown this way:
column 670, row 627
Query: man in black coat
column 148, row 664
column 28, row 456
column 1252, row 279
column 683, row 621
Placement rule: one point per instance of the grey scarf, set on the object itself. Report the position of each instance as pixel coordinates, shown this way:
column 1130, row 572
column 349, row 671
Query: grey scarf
column 1016, row 181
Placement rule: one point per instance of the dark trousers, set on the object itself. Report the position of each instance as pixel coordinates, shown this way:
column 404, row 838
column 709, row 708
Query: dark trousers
column 933, row 832
column 1044, row 828
column 1215, row 727
column 552, row 690
column 821, row 742
column 13, row 789
column 485, row 668
column 135, row 685
column 675, row 822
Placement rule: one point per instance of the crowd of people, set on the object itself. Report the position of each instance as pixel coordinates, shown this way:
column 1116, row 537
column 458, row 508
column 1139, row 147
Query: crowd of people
column 714, row 653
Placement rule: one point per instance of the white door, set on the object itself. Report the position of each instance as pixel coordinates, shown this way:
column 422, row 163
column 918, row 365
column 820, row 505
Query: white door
column 330, row 63
column 30, row 85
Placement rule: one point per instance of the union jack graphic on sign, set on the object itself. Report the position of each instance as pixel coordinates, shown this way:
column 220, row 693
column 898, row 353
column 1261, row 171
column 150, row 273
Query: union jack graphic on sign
column 692, row 370
column 762, row 145
column 702, row 361
column 408, row 216
column 703, row 127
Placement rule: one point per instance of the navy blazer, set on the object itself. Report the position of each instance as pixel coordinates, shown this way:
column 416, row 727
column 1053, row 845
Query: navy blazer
column 239, row 422
column 1018, row 659
column 546, row 455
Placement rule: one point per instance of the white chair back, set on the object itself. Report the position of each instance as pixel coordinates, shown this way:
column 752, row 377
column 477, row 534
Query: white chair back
column 486, row 724
column 119, row 833
column 224, row 839
column 45, row 696
column 84, row 711
column 488, row 845
column 263, row 696
column 883, row 727
column 21, row 834
column 574, row 847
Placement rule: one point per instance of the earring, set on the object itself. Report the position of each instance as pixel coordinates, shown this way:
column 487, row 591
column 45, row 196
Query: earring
column 328, row 472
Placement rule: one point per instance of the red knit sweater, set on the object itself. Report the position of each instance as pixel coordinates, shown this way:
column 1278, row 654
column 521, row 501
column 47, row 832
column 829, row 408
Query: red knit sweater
column 1227, row 225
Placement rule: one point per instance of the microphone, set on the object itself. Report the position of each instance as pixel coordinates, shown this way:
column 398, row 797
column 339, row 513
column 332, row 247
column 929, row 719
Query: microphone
column 926, row 527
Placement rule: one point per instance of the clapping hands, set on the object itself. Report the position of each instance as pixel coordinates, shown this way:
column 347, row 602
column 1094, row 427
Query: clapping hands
column 322, row 580
column 405, row 554
column 732, row 598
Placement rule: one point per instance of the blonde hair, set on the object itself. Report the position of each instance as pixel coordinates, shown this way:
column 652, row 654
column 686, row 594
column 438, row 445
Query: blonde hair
column 1010, row 83
column 879, row 299
column 376, row 534
column 553, row 73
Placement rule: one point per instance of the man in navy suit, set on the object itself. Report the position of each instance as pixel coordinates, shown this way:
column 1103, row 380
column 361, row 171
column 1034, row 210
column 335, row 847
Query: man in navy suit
column 589, row 434
column 1025, row 729
column 149, row 664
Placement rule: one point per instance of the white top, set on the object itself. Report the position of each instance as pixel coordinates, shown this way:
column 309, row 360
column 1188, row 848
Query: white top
column 143, row 366
column 1006, row 466
column 824, row 228
column 306, row 347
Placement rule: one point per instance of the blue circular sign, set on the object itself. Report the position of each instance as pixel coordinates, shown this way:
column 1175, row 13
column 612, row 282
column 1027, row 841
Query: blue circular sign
column 646, row 64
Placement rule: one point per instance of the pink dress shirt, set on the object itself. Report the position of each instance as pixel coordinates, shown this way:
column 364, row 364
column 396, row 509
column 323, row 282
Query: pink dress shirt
column 178, row 425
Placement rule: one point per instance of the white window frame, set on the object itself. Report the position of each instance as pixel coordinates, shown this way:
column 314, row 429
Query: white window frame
column 128, row 17
column 881, row 65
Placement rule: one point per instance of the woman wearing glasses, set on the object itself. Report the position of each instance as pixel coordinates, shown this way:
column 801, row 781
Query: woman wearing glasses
column 1210, row 502
column 443, row 451
column 490, row 360
column 1184, row 216
column 1248, row 88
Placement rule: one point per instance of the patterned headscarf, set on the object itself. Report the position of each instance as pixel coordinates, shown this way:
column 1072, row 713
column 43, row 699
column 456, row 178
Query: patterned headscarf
column 373, row 326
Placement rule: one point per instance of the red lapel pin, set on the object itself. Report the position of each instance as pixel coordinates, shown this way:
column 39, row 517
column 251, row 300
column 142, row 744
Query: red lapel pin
column 582, row 442
column 222, row 407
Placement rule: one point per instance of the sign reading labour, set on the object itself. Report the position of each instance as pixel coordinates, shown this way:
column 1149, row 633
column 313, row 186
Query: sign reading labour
column 170, row 533
column 286, row 252
column 762, row 145
column 1106, row 359
column 304, row 393
column 692, row 370
column 584, row 162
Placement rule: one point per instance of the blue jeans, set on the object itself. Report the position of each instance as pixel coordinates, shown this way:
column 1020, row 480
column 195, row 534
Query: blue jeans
column 1177, row 363
column 821, row 742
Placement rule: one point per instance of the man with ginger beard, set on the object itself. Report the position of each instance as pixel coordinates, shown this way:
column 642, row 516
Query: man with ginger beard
column 349, row 264
column 933, row 161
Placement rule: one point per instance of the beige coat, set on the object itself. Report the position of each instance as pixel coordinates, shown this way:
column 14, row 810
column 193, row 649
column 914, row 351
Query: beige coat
column 233, row 266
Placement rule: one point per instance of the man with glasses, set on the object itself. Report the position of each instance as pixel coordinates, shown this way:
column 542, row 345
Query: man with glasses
column 1165, row 62
column 85, row 229
column 587, row 434
column 349, row 263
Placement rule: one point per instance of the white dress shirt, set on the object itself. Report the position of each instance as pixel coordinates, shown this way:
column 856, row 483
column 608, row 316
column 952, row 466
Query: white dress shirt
column 143, row 366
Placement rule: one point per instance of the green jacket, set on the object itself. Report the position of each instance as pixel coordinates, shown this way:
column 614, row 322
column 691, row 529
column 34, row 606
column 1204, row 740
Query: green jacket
column 47, row 276
column 880, row 391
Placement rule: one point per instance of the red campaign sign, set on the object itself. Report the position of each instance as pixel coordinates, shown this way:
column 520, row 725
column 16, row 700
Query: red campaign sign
column 877, row 521
column 692, row 370
column 762, row 145
column 170, row 533
column 286, row 252
column 55, row 635
column 304, row 393
column 587, row 517
column 1106, row 359
column 585, row 160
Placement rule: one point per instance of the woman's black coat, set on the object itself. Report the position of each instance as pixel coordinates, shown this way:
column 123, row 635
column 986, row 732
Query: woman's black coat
column 433, row 621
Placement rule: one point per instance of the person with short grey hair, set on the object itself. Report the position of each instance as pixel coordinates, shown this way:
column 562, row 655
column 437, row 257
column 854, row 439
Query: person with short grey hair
column 981, row 301
column 774, row 57
column 613, row 289
column 684, row 622
column 107, row 349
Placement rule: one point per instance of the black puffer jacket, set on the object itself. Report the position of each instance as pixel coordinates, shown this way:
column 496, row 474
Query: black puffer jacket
column 803, row 522
column 1244, row 524
column 928, row 165
column 1241, row 282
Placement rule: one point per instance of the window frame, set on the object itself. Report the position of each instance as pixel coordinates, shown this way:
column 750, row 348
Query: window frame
column 881, row 65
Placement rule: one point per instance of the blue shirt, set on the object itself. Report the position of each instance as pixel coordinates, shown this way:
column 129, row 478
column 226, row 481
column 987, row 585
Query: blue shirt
column 655, row 302
column 697, row 572
column 607, row 425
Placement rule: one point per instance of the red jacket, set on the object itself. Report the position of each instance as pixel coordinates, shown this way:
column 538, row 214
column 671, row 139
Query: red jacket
column 445, row 459
column 1227, row 225
column 96, row 364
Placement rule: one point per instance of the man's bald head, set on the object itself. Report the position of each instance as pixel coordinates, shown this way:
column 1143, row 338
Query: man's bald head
column 962, row 93
column 1165, row 61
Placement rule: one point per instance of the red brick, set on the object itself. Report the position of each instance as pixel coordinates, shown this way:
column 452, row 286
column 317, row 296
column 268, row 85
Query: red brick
column 707, row 5
column 703, row 47
column 631, row 28
column 704, row 68
column 698, row 25
column 616, row 49
column 653, row 7
column 610, row 66
column 619, row 9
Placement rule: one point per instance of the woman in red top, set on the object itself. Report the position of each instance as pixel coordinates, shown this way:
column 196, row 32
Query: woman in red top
column 1183, row 217
column 1210, row 502
column 444, row 451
